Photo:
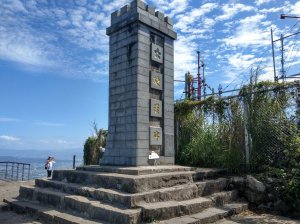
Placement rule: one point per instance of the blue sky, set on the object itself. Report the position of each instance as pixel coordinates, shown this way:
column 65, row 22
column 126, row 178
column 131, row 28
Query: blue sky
column 54, row 59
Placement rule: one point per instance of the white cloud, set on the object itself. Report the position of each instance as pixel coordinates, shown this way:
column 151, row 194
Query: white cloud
column 9, row 138
column 295, row 9
column 232, row 9
column 186, row 20
column 171, row 7
column 260, row 2
column 8, row 119
column 59, row 141
column 48, row 124
column 249, row 32
column 272, row 10
column 184, row 57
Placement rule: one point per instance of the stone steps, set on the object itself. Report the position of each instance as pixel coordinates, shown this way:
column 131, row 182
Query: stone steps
column 135, row 183
column 85, row 206
column 171, row 209
column 209, row 215
column 141, row 170
column 177, row 193
column 125, row 182
column 93, row 209
column 48, row 214
column 131, row 195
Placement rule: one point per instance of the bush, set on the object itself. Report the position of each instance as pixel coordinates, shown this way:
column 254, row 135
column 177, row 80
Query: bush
column 92, row 146
column 91, row 152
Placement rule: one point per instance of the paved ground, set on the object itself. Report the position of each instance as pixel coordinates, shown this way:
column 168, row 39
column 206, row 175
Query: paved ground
column 11, row 190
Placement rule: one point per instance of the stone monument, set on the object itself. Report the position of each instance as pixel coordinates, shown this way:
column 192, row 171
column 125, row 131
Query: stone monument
column 141, row 86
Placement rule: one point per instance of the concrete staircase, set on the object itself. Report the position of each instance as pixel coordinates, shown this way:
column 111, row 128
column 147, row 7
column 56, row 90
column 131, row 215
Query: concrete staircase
column 129, row 195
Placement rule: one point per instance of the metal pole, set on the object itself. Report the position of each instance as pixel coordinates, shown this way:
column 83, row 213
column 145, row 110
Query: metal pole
column 186, row 86
column 282, row 59
column 213, row 107
column 189, row 86
column 74, row 157
column 6, row 170
column 177, row 137
column 23, row 172
column 17, row 171
column 28, row 171
column 199, row 79
column 12, row 171
column 204, row 82
column 274, row 69
column 247, row 160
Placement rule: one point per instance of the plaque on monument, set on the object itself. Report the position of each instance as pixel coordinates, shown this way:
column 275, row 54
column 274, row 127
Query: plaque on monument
column 155, row 136
column 156, row 108
column 156, row 80
column 156, row 53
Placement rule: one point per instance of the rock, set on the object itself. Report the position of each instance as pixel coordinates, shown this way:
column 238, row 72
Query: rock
column 254, row 184
column 281, row 206
column 255, row 197
column 238, row 182
column 264, row 206
column 271, row 197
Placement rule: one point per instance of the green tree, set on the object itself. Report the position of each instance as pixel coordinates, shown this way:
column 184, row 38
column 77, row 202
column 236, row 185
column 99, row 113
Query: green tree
column 92, row 146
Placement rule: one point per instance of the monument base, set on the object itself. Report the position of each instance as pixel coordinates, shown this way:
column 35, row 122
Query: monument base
column 115, row 194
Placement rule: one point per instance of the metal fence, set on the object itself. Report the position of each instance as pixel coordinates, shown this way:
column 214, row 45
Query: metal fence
column 14, row 171
column 252, row 129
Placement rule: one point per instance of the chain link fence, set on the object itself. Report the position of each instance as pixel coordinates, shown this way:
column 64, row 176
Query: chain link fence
column 255, row 129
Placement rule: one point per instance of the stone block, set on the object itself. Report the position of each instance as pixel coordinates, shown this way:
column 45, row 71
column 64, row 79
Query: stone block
column 142, row 144
column 159, row 15
column 155, row 24
column 138, row 4
column 145, row 19
column 155, row 108
column 156, row 136
column 151, row 10
column 156, row 53
column 156, row 80
column 169, row 20
column 125, row 9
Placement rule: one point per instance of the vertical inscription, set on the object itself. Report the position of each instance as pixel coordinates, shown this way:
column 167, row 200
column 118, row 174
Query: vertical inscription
column 155, row 136
column 156, row 108
column 156, row 80
column 156, row 53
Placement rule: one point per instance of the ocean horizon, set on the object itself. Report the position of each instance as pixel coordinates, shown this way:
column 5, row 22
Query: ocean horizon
column 37, row 165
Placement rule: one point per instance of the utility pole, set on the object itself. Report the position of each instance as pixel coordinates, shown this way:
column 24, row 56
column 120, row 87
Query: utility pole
column 203, row 81
column 274, row 69
column 282, row 59
column 199, row 78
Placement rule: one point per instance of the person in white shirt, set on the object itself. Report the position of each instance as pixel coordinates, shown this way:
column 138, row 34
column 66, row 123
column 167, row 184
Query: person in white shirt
column 49, row 165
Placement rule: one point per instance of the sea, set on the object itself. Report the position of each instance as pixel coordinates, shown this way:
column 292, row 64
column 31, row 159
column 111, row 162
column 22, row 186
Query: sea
column 37, row 166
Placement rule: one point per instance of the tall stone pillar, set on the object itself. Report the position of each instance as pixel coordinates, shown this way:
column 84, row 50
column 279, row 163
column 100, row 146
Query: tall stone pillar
column 141, row 86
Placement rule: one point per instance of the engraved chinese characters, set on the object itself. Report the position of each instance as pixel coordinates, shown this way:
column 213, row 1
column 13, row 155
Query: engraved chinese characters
column 156, row 132
column 156, row 108
column 156, row 80
column 156, row 53
column 155, row 136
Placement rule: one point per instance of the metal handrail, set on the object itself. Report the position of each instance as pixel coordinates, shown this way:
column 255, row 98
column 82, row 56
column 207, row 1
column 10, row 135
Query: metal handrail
column 14, row 170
